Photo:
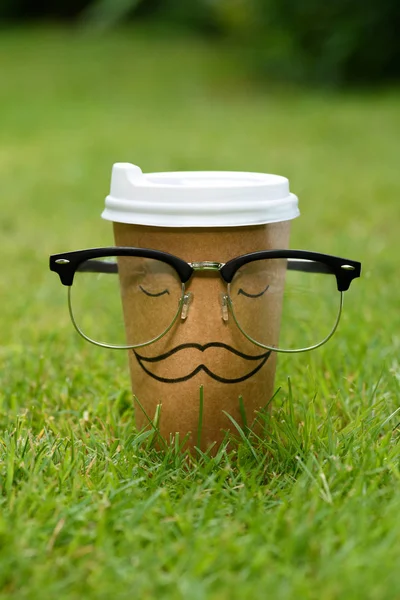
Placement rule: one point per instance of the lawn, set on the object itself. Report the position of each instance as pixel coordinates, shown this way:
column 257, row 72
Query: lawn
column 89, row 509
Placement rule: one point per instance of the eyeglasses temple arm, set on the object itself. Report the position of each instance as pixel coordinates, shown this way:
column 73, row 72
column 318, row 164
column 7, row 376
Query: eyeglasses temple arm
column 97, row 266
column 306, row 266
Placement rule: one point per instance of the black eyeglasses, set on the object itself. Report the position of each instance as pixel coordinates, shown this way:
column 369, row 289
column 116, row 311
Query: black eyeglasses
column 131, row 297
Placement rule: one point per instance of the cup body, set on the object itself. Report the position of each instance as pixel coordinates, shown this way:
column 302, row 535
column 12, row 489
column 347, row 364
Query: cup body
column 203, row 350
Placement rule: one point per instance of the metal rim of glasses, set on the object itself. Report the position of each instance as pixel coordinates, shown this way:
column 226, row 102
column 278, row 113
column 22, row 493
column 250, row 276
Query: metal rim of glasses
column 125, row 347
column 285, row 351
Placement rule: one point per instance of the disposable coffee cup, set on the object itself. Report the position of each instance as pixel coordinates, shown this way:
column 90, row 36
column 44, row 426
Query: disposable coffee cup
column 204, row 371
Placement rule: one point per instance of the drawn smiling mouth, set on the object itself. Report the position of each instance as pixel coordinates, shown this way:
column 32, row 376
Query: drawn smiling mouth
column 146, row 363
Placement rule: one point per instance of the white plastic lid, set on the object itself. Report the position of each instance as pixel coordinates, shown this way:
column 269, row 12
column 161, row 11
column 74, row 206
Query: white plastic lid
column 198, row 198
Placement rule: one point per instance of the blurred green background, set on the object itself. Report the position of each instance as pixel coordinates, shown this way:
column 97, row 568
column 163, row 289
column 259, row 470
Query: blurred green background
column 74, row 101
column 191, row 86
column 345, row 42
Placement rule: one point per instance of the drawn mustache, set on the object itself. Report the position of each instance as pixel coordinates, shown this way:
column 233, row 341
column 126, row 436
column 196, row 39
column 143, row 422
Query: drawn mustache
column 202, row 367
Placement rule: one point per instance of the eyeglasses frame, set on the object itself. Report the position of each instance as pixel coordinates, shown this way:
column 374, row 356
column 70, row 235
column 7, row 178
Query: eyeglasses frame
column 345, row 270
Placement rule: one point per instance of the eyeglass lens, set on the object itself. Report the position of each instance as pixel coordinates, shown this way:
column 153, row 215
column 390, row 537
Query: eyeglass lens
column 109, row 291
column 282, row 306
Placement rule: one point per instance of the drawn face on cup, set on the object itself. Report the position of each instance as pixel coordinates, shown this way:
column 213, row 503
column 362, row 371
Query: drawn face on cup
column 204, row 338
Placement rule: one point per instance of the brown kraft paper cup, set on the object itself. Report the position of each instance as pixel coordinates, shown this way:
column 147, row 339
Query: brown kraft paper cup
column 203, row 350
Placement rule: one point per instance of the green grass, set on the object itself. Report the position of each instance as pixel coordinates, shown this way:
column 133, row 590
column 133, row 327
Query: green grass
column 89, row 508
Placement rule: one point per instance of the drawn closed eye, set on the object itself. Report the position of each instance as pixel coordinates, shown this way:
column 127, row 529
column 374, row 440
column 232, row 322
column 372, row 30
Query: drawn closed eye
column 154, row 295
column 241, row 291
